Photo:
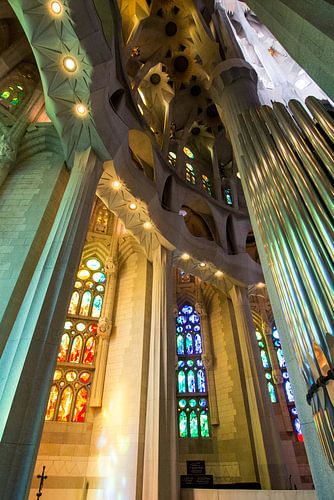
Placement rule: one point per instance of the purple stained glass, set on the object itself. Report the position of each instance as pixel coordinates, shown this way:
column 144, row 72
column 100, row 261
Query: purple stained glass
column 201, row 381
column 188, row 327
column 191, row 381
column 289, row 393
column 179, row 329
column 197, row 328
column 198, row 344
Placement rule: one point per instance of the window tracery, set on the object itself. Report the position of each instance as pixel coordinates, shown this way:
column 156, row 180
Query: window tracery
column 266, row 365
column 206, row 184
column 190, row 174
column 75, row 363
column 193, row 410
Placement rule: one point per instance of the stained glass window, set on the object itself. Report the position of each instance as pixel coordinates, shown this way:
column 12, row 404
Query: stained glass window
column 266, row 365
column 12, row 96
column 190, row 174
column 290, row 399
column 206, row 184
column 172, row 158
column 228, row 195
column 191, row 377
column 188, row 153
column 70, row 392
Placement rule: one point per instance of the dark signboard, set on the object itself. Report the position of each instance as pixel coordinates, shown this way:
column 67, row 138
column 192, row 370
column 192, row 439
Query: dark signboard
column 195, row 467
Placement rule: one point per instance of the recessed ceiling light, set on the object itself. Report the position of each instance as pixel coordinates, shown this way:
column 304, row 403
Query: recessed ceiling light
column 185, row 256
column 238, row 175
column 218, row 274
column 56, row 8
column 260, row 285
column 81, row 109
column 70, row 64
column 147, row 225
column 182, row 212
column 202, row 264
column 116, row 184
column 132, row 206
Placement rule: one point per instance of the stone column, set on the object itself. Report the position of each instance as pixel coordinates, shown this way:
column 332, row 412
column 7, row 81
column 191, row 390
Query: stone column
column 30, row 353
column 160, row 478
column 13, row 55
column 268, row 454
column 208, row 360
column 105, row 322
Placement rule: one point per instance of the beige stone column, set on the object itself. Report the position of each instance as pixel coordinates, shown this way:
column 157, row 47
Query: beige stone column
column 105, row 322
column 13, row 55
column 160, row 479
column 208, row 360
column 270, row 465
column 30, row 352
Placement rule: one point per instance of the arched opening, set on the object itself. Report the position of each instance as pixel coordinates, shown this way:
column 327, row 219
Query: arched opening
column 230, row 236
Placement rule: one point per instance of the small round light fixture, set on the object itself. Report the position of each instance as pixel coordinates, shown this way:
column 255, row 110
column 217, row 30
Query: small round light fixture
column 185, row 256
column 56, row 8
column 260, row 285
column 202, row 264
column 147, row 225
column 116, row 185
column 81, row 109
column 182, row 212
column 70, row 64
column 218, row 274
column 238, row 175
column 133, row 206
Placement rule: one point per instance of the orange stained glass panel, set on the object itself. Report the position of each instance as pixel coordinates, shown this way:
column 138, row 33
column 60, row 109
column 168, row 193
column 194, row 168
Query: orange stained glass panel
column 85, row 304
column 80, row 406
column 52, row 403
column 65, row 405
column 65, row 341
column 76, row 349
column 74, row 303
column 89, row 351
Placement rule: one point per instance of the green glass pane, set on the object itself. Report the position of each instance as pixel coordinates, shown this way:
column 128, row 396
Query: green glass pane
column 261, row 344
column 192, row 402
column 182, row 381
column 190, row 362
column 268, row 376
column 183, row 425
column 5, row 94
column 272, row 393
column 180, row 344
column 264, row 359
column 193, row 425
column 204, row 423
column 182, row 403
column 258, row 335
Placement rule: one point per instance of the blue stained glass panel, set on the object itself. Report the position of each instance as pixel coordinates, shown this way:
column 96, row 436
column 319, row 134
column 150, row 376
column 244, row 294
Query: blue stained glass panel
column 264, row 359
column 289, row 393
column 191, row 381
column 189, row 344
column 275, row 333
column 280, row 357
column 194, row 318
column 181, row 381
column 199, row 362
column 198, row 344
column 187, row 309
column 202, row 402
column 201, row 381
column 197, row 328
column 181, row 320
column 180, row 344
column 97, row 306
column 179, row 329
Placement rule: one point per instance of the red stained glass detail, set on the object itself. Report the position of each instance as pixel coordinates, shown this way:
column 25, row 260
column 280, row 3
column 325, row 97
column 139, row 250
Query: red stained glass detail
column 84, row 377
column 65, row 341
column 300, row 438
column 92, row 328
column 89, row 351
column 76, row 349
column 80, row 406
column 65, row 405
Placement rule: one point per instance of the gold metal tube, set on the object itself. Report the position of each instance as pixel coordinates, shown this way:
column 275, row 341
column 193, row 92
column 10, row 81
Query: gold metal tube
column 321, row 115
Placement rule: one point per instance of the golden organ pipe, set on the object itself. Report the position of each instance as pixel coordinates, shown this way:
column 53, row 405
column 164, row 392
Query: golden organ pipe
column 314, row 170
column 313, row 135
column 321, row 115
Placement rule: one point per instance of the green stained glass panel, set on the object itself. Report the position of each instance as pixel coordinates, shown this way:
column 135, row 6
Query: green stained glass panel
column 182, row 403
column 204, row 423
column 192, row 402
column 182, row 381
column 183, row 424
column 193, row 425
column 272, row 393
column 180, row 344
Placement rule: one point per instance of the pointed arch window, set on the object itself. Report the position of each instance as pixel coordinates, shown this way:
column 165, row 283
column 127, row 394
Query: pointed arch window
column 190, row 174
column 206, row 184
column 74, row 372
column 290, row 399
column 193, row 410
column 12, row 95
